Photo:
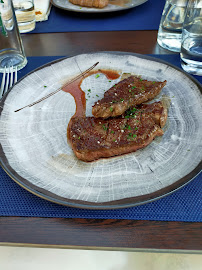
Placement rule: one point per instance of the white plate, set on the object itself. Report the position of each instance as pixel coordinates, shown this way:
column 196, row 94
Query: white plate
column 66, row 5
column 34, row 142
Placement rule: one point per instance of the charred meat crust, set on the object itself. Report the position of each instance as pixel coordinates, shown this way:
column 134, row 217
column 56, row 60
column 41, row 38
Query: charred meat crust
column 92, row 138
column 129, row 92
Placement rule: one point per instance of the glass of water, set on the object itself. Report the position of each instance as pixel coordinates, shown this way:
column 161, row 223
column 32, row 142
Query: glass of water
column 25, row 14
column 11, row 47
column 191, row 49
column 170, row 28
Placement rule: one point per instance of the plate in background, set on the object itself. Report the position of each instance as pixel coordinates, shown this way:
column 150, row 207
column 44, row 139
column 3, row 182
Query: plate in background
column 66, row 5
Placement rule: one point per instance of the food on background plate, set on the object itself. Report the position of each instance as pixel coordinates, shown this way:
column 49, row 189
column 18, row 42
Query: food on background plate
column 90, row 3
column 129, row 92
column 93, row 138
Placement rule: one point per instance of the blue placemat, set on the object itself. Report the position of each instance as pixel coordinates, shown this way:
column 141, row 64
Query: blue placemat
column 183, row 205
column 144, row 17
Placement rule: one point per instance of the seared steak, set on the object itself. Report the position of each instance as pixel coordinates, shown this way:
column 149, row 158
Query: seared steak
column 93, row 138
column 90, row 3
column 129, row 92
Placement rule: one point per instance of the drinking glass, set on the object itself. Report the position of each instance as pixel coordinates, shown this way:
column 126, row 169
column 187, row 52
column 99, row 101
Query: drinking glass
column 170, row 28
column 191, row 49
column 25, row 14
column 11, row 48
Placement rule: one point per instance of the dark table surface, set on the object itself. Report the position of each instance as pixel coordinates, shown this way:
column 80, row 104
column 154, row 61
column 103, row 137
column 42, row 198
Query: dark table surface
column 113, row 234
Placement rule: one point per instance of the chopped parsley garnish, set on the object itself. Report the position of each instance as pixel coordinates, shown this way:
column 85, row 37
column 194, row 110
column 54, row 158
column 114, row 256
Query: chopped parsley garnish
column 114, row 140
column 97, row 76
column 79, row 137
column 97, row 96
column 141, row 79
column 112, row 132
column 136, row 128
column 109, row 81
column 142, row 88
column 129, row 136
column 134, row 135
column 111, row 109
column 153, row 82
column 121, row 99
column 131, row 113
column 129, row 90
column 45, row 86
column 89, row 90
column 104, row 127
column 134, row 87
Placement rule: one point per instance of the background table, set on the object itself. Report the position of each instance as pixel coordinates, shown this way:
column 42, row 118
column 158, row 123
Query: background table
column 97, row 233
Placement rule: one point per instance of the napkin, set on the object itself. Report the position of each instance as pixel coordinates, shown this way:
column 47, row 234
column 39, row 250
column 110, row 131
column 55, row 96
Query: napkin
column 42, row 9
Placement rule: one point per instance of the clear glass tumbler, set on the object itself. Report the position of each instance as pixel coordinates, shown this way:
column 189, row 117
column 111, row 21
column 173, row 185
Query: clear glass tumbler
column 170, row 28
column 25, row 14
column 191, row 49
column 11, row 47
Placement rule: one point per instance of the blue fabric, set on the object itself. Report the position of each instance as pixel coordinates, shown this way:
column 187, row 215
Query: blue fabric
column 182, row 205
column 35, row 62
column 144, row 17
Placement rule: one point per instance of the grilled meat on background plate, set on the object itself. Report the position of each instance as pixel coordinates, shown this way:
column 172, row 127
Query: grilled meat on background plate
column 128, row 92
column 93, row 138
column 90, row 3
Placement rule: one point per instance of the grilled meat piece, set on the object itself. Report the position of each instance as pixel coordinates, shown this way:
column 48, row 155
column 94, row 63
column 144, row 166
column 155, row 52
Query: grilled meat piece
column 90, row 3
column 93, row 138
column 129, row 92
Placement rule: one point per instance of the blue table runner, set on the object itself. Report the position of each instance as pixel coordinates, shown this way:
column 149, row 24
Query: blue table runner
column 144, row 17
column 182, row 205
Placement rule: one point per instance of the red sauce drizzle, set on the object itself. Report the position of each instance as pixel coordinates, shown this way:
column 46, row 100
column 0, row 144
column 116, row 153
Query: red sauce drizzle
column 79, row 95
column 110, row 74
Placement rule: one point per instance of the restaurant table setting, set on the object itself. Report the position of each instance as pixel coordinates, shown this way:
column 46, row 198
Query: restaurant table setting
column 181, row 202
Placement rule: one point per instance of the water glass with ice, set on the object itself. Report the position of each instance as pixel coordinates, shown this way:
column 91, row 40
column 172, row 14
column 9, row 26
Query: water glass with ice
column 191, row 49
column 170, row 28
column 25, row 14
column 11, row 47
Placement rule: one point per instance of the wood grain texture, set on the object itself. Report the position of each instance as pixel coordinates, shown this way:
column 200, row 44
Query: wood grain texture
column 81, row 42
column 102, row 233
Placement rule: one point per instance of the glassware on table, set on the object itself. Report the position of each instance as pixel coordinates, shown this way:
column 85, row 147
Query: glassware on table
column 25, row 14
column 191, row 49
column 11, row 47
column 170, row 28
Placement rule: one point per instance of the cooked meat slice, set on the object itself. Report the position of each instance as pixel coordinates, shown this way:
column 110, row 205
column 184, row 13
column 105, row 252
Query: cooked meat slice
column 129, row 92
column 90, row 3
column 93, row 138
column 156, row 110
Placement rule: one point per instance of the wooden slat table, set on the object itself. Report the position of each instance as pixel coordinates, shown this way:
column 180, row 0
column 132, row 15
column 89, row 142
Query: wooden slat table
column 92, row 233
